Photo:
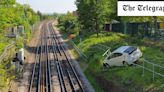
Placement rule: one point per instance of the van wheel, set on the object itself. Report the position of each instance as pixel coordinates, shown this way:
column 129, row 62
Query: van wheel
column 125, row 63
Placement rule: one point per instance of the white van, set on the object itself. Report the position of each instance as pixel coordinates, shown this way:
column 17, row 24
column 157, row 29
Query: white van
column 125, row 55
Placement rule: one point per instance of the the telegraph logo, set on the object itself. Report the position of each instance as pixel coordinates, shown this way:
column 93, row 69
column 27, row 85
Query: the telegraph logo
column 140, row 8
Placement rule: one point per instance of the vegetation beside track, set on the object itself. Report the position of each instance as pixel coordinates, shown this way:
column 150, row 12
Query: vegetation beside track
column 116, row 79
column 13, row 14
column 68, row 24
column 124, row 79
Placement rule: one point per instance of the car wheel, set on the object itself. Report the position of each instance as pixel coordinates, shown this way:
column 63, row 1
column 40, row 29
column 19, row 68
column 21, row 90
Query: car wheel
column 106, row 65
column 136, row 61
column 125, row 63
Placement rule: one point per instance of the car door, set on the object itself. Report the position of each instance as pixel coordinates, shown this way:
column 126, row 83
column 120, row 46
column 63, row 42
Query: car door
column 116, row 59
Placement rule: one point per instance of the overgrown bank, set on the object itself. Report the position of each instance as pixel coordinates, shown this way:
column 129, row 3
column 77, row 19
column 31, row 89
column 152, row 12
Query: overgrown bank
column 122, row 79
column 12, row 15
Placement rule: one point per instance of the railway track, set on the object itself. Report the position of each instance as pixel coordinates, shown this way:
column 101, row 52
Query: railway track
column 41, row 73
column 64, row 66
column 67, row 79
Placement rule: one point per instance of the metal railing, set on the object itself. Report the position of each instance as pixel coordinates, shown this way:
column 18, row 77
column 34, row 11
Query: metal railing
column 4, row 54
column 152, row 68
column 78, row 50
column 145, row 63
column 101, row 47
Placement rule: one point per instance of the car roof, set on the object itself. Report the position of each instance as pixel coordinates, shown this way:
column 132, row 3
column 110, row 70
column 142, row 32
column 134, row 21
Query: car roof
column 121, row 49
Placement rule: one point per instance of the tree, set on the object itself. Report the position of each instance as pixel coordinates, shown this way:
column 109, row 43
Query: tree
column 68, row 23
column 40, row 15
column 93, row 14
column 7, row 3
column 13, row 14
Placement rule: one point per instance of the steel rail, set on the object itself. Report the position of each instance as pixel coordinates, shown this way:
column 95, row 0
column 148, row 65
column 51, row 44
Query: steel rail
column 49, row 66
column 37, row 59
column 43, row 76
column 73, row 70
column 71, row 81
column 40, row 89
column 58, row 67
column 33, row 71
column 60, row 79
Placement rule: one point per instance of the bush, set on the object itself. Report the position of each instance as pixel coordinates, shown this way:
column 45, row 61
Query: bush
column 122, row 75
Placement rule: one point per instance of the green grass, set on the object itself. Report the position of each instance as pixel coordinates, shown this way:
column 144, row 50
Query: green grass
column 2, row 46
column 6, row 68
column 93, row 81
column 4, row 41
column 126, row 76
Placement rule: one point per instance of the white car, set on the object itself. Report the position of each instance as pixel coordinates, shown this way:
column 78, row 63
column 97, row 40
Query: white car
column 125, row 55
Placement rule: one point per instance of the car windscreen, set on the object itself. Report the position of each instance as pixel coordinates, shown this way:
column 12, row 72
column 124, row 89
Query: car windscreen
column 130, row 50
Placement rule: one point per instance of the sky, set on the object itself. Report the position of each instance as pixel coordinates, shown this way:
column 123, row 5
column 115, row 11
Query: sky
column 51, row 6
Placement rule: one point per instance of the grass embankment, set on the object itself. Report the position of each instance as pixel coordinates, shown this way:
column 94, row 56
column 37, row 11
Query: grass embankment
column 4, row 41
column 6, row 68
column 122, row 79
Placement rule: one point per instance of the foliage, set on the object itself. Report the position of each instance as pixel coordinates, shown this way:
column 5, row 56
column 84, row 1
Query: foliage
column 47, row 16
column 17, row 15
column 93, row 14
column 29, row 14
column 13, row 14
column 6, row 73
column 7, row 2
column 68, row 23
column 122, row 75
column 20, row 43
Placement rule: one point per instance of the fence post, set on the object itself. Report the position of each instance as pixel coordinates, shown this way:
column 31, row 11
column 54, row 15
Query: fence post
column 143, row 70
column 153, row 72
column 125, row 27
